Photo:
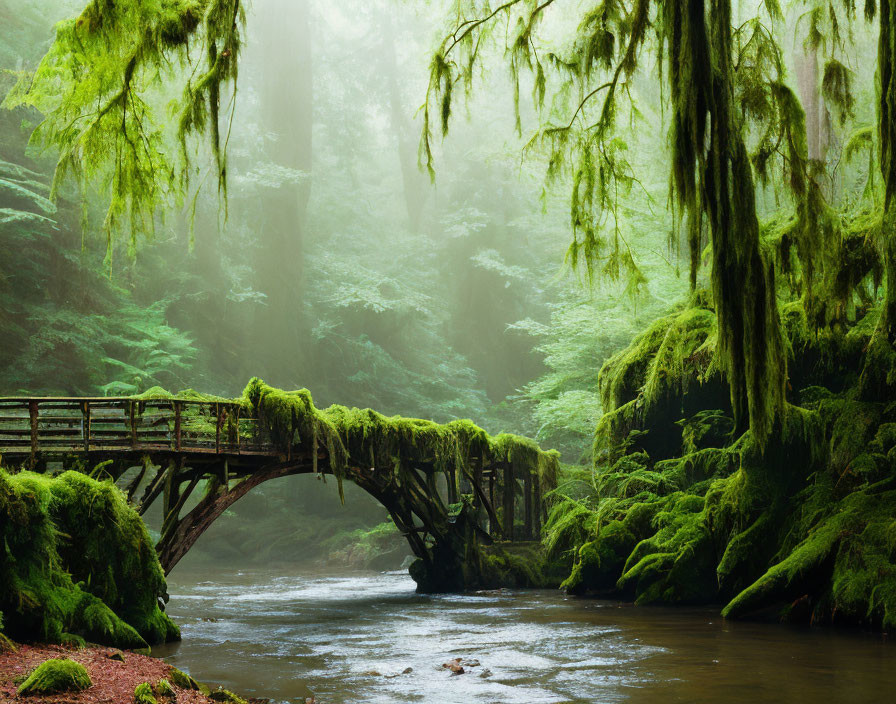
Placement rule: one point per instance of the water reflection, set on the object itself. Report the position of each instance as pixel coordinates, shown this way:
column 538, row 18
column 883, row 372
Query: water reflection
column 352, row 639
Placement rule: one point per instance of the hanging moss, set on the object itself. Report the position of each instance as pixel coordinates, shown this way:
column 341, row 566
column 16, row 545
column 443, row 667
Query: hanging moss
column 118, row 59
column 363, row 437
column 55, row 676
column 805, row 517
column 70, row 543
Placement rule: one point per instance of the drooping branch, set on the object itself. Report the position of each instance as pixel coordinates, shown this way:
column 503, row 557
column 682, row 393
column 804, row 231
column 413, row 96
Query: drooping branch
column 101, row 88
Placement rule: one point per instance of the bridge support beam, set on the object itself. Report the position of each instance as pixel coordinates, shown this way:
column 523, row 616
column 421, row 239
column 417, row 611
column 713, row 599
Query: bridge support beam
column 182, row 533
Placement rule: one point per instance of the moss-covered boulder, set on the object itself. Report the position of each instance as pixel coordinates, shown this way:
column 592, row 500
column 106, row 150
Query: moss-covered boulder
column 800, row 526
column 78, row 564
column 54, row 676
column 224, row 695
column 183, row 680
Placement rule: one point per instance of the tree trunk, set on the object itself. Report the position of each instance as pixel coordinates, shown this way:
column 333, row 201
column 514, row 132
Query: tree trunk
column 415, row 182
column 286, row 98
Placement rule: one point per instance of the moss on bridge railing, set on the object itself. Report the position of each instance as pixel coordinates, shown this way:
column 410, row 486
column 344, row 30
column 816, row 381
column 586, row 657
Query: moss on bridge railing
column 357, row 437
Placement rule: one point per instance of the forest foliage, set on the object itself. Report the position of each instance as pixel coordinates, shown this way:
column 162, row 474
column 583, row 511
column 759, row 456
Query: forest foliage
column 723, row 379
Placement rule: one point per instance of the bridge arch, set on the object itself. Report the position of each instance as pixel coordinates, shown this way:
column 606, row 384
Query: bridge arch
column 494, row 485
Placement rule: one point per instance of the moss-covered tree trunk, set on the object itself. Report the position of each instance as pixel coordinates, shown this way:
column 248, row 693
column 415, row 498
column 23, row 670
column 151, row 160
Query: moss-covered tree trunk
column 879, row 373
column 712, row 178
column 887, row 126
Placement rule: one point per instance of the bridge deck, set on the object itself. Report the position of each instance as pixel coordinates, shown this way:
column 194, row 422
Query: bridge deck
column 52, row 427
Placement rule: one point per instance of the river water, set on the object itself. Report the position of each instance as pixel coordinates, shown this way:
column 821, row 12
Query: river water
column 353, row 638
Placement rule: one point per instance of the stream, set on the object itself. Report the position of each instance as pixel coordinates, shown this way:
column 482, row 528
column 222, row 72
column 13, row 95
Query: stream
column 352, row 638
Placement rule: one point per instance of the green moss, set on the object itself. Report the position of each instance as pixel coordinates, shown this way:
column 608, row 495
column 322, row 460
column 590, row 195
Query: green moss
column 57, row 528
column 55, row 676
column 183, row 680
column 143, row 694
column 354, row 436
column 516, row 565
column 164, row 688
column 6, row 645
column 223, row 695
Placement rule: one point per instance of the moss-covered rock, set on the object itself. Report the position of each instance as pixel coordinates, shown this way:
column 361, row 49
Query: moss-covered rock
column 71, row 544
column 224, row 695
column 183, row 680
column 805, row 518
column 54, row 676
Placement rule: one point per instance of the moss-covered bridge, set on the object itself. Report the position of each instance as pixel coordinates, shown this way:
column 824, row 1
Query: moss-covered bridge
column 449, row 488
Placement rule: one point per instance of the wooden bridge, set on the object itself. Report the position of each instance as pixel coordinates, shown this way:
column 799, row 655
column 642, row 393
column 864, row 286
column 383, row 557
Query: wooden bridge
column 169, row 446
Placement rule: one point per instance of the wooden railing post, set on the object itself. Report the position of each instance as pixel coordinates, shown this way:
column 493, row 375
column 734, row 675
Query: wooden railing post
column 218, row 422
column 237, row 430
column 177, row 425
column 32, row 414
column 85, row 424
column 537, row 509
column 133, row 419
column 528, row 504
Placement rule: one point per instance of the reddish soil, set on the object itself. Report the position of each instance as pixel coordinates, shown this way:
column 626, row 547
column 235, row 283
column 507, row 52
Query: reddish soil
column 113, row 681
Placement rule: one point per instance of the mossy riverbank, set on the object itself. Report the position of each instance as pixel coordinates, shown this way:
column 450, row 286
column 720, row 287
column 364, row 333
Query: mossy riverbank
column 681, row 510
column 54, row 674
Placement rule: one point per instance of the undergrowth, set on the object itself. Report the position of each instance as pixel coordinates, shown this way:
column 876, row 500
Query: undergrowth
column 681, row 510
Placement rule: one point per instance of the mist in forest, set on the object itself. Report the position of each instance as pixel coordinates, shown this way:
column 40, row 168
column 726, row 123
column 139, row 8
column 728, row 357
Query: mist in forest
column 339, row 264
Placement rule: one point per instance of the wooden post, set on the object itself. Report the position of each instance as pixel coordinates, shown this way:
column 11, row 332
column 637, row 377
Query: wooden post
column 85, row 424
column 32, row 413
column 509, row 485
column 219, row 420
column 492, row 530
column 237, row 430
column 528, row 504
column 537, row 509
column 133, row 418
column 451, row 476
column 477, row 479
column 177, row 425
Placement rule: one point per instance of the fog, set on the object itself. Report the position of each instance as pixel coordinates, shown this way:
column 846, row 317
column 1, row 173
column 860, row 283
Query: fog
column 338, row 264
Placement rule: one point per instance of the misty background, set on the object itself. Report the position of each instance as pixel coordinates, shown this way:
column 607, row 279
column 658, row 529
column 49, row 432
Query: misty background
column 340, row 267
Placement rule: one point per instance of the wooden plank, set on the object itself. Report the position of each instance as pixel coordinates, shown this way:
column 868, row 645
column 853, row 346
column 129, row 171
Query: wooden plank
column 32, row 412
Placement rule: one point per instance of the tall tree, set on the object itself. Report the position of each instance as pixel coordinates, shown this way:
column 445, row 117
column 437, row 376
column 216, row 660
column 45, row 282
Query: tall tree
column 286, row 105
column 712, row 178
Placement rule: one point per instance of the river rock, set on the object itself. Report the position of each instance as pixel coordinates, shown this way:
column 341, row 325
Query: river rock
column 455, row 666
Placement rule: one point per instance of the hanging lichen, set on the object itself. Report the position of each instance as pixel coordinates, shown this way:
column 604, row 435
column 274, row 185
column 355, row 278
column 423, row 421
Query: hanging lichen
column 102, row 90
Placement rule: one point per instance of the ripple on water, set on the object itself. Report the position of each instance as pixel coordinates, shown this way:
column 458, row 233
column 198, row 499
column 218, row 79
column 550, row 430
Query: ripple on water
column 352, row 639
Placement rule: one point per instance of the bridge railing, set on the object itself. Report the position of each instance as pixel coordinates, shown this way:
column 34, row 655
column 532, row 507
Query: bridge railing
column 61, row 426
